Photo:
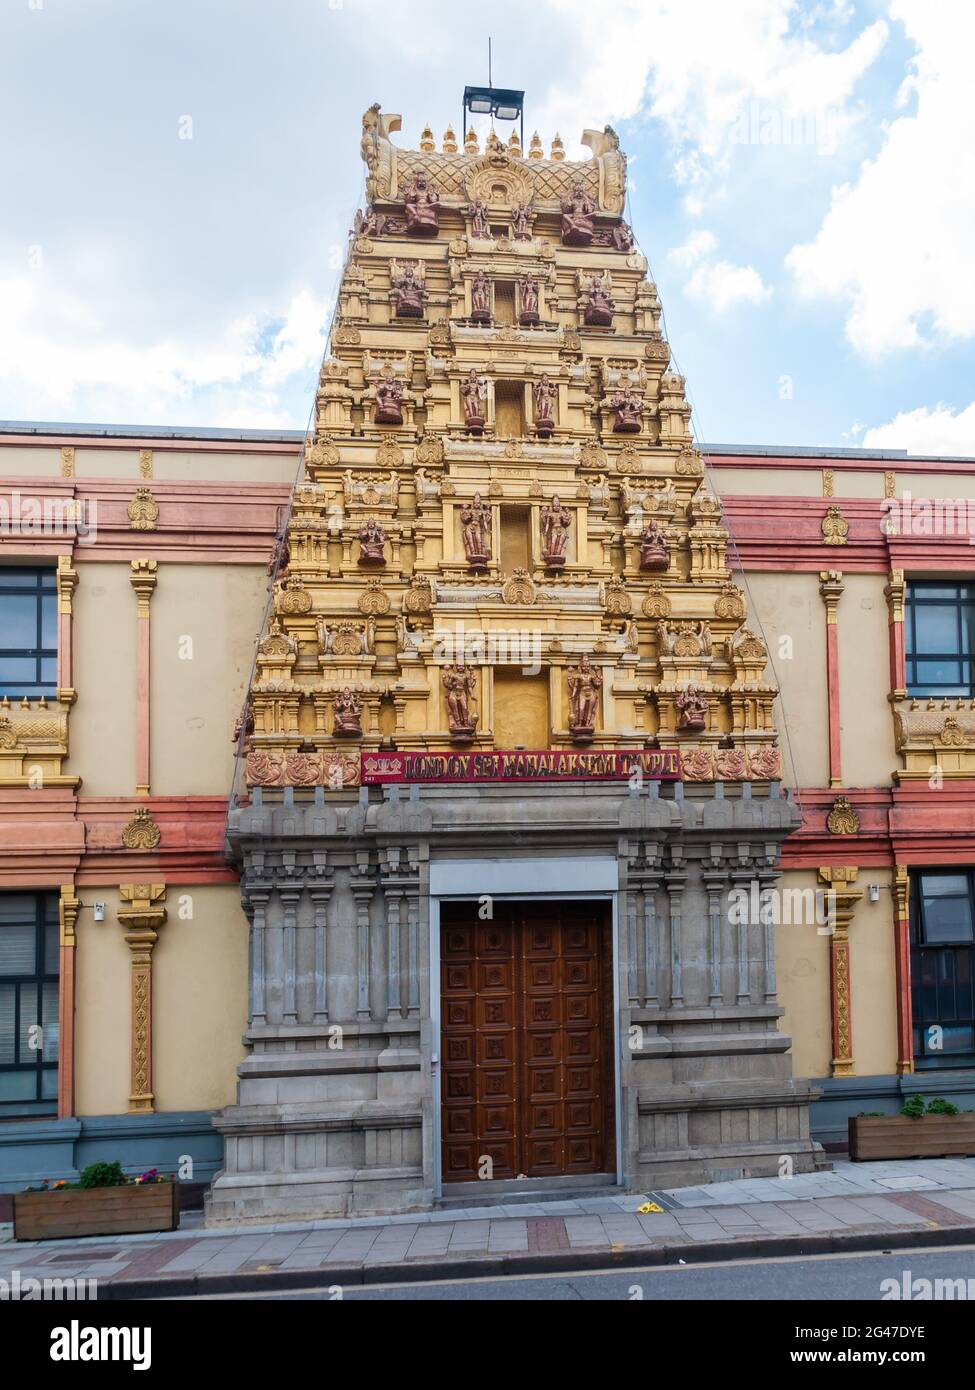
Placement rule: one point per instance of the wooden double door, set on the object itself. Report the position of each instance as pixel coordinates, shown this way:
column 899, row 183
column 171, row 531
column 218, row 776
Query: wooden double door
column 526, row 1040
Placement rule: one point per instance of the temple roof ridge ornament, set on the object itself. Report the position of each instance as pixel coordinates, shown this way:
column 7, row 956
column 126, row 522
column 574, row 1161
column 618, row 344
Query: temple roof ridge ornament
column 501, row 174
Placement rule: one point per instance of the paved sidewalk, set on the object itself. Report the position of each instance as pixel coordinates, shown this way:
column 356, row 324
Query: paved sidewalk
column 858, row 1206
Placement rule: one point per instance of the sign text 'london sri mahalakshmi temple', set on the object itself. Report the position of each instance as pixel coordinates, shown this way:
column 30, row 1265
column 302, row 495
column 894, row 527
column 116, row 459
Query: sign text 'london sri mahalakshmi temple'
column 547, row 765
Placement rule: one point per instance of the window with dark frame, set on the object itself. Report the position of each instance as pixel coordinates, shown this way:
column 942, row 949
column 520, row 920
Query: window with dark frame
column 30, row 942
column 28, row 632
column 943, row 967
column 940, row 639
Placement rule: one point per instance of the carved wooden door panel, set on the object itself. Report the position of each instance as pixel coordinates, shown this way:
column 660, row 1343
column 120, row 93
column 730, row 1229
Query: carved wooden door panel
column 526, row 1022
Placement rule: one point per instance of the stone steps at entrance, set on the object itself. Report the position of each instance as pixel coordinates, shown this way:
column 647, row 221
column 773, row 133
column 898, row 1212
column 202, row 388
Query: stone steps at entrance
column 512, row 1192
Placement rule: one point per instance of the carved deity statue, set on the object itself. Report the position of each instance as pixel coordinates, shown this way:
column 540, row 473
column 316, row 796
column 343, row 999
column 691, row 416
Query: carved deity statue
column 544, row 394
column 368, row 223
column 422, row 206
column 521, row 221
column 459, row 683
column 622, row 237
column 528, row 295
column 599, row 310
column 629, row 412
column 480, row 298
column 408, row 283
column 654, row 554
column 389, row 400
column 372, row 538
column 555, row 521
column 584, row 683
column 478, row 214
column 474, row 392
column 577, row 214
column 693, row 710
column 348, row 714
column 475, row 521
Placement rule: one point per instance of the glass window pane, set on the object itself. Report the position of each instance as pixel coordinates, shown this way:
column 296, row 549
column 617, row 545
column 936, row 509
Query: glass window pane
column 18, row 670
column 18, row 621
column 49, row 670
column 947, row 919
column 943, row 885
column 17, row 907
column 936, row 629
column 8, row 1006
column 18, row 950
column 31, row 1043
column 49, row 1005
column 49, row 621
column 49, row 1083
column 949, row 675
column 52, row 949
column 18, row 1085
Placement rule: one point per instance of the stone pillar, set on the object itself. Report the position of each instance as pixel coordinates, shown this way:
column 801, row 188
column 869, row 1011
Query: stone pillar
column 895, row 592
column 68, row 909
column 142, row 921
column 843, row 901
column 143, row 580
column 363, row 888
column 320, row 891
column 831, row 590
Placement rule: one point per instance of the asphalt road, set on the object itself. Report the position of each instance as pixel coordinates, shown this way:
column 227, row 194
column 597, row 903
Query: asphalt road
column 856, row 1277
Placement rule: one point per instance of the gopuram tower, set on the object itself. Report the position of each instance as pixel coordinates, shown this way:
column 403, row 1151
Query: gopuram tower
column 509, row 750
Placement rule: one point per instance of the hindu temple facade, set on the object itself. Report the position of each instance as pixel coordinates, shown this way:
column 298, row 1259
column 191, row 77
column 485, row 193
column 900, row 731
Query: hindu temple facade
column 509, row 746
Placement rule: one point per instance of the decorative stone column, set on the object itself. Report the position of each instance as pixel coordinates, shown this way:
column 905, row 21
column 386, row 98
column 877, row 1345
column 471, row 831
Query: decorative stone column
column 902, row 958
column 844, row 901
column 67, row 579
column 68, row 909
column 143, row 580
column 896, row 591
column 141, row 921
column 831, row 590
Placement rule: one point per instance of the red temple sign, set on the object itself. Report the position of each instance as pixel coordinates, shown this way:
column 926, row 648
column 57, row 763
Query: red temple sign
column 545, row 765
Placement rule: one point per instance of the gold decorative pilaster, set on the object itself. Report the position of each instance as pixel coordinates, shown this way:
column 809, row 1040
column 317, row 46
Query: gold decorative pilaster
column 67, row 462
column 145, row 463
column 143, row 579
column 902, row 959
column 141, row 921
column 843, row 900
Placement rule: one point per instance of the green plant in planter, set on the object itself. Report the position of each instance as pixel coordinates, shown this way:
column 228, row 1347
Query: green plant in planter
column 102, row 1175
column 913, row 1109
column 939, row 1106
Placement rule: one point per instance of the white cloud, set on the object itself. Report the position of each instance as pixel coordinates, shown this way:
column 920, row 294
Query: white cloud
column 58, row 358
column 924, row 431
column 897, row 244
column 698, row 245
column 698, row 65
column 721, row 285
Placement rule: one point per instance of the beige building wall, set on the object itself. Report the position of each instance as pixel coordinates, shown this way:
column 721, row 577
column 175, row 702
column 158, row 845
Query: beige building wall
column 867, row 752
column 873, row 979
column 199, row 993
column 200, row 997
column 768, row 482
column 101, row 726
column 103, row 1017
column 205, row 619
column 802, row 972
column 28, row 461
column 788, row 611
column 206, row 465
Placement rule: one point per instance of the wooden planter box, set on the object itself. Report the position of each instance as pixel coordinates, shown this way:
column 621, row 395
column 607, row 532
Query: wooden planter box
column 898, row 1136
column 96, row 1211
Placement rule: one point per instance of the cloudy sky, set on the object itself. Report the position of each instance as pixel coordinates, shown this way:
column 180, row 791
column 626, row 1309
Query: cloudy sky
column 179, row 177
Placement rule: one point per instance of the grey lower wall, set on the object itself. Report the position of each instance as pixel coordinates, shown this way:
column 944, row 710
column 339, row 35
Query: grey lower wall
column 843, row 1096
column 31, row 1150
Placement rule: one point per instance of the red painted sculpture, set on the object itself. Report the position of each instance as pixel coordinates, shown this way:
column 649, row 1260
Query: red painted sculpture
column 629, row 412
column 577, row 214
column 474, row 392
column 422, row 206
column 481, row 298
column 584, row 683
column 555, row 521
column 459, row 682
column 599, row 310
column 348, row 715
column 654, row 554
column 475, row 520
column 389, row 400
column 372, row 538
column 528, row 293
column 693, row 711
column 544, row 394
column 407, row 292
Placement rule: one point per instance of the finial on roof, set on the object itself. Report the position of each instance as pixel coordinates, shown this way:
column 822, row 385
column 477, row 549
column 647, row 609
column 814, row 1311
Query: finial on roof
column 558, row 149
column 514, row 144
column 426, row 141
column 449, row 141
column 470, row 144
column 535, row 150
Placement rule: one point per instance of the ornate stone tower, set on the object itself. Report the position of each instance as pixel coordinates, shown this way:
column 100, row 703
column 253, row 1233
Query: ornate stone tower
column 504, row 607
